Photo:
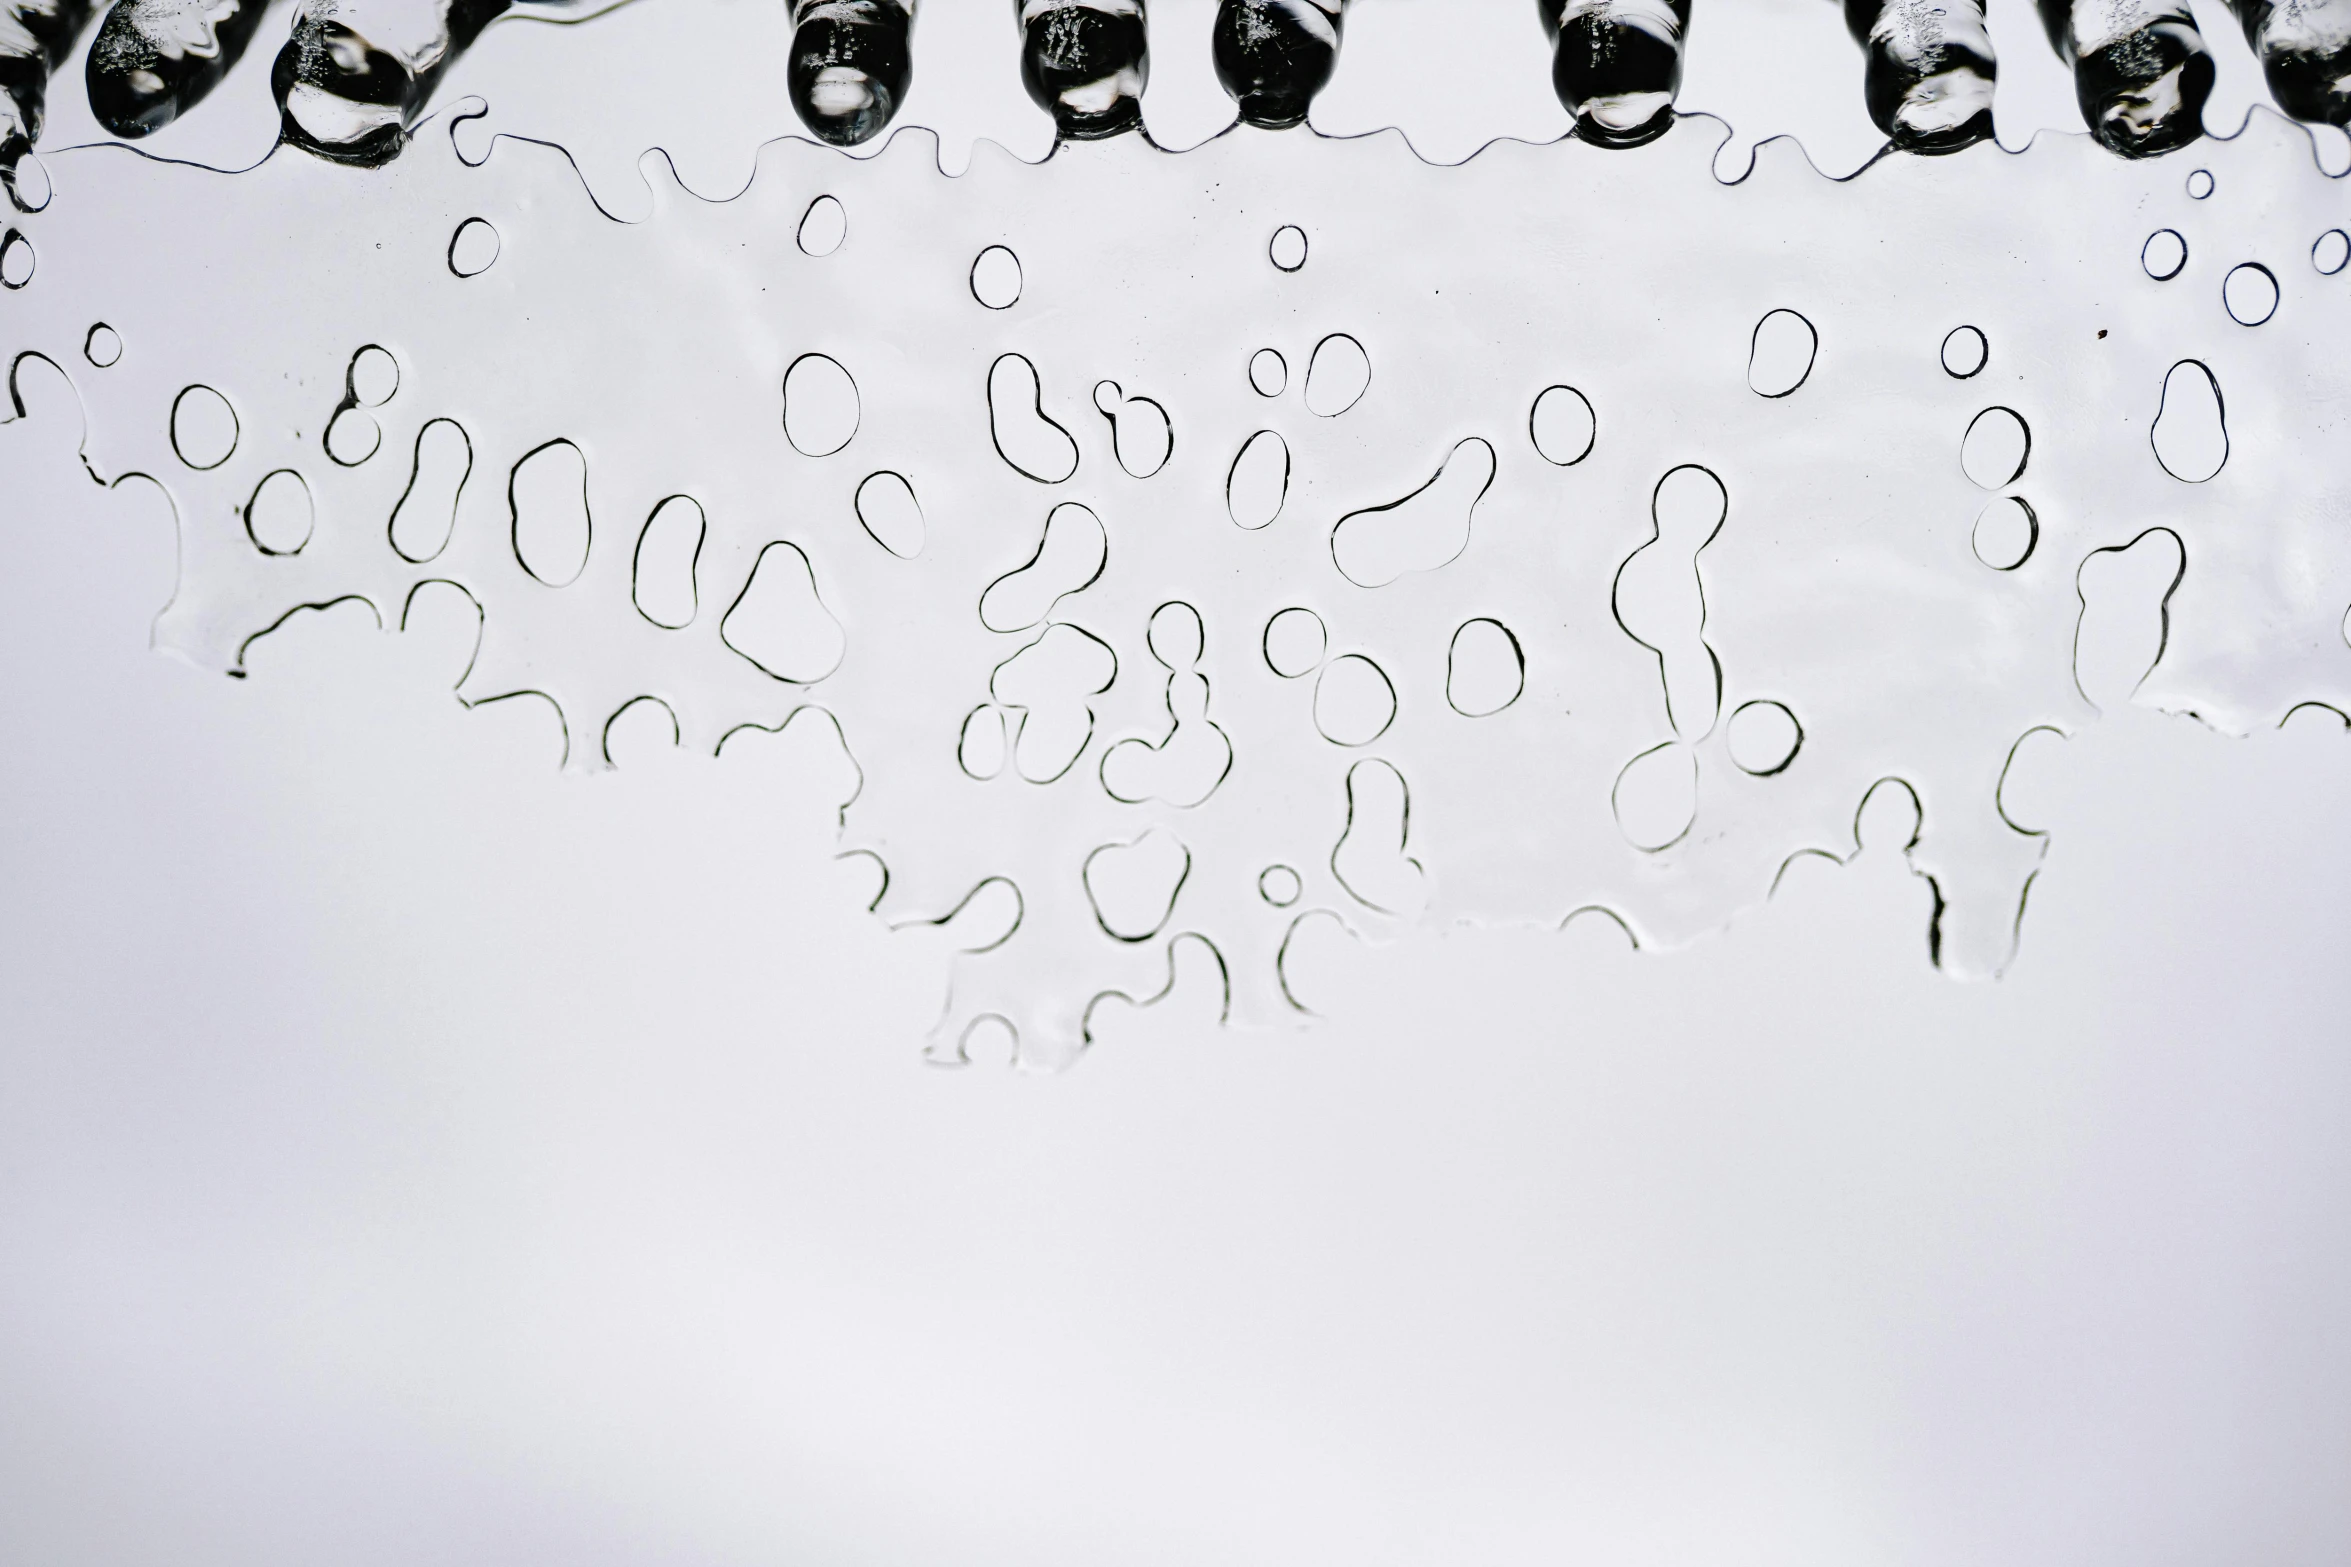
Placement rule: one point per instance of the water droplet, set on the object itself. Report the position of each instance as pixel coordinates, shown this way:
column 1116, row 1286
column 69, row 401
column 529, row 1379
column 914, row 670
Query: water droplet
column 2005, row 533
column 662, row 573
column 1028, row 438
column 996, row 278
column 103, row 347
column 2250, row 292
column 887, row 509
column 1337, row 375
column 1427, row 529
column 280, row 515
column 2331, row 252
column 1997, row 445
column 2191, row 434
column 203, row 427
column 1279, row 885
column 820, row 405
column 823, row 226
column 1780, row 354
column 1294, row 642
column 353, row 436
column 16, row 259
column 2164, row 254
column 2199, row 184
column 1258, row 483
column 373, row 377
column 983, row 746
column 780, row 623
column 1069, row 558
column 1354, row 701
column 473, row 247
column 1141, row 437
column 1269, row 373
column 1563, row 426
column 1763, row 737
column 547, row 496
column 1485, row 669
column 1965, row 352
column 427, row 509
column 1656, row 797
column 1133, row 886
column 1287, row 248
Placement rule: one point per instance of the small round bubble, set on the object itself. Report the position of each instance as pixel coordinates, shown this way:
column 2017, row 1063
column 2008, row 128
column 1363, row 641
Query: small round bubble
column 103, row 346
column 996, row 278
column 2250, row 292
column 2164, row 254
column 473, row 247
column 2199, row 184
column 1287, row 248
column 2331, row 252
column 1279, row 885
column 1965, row 352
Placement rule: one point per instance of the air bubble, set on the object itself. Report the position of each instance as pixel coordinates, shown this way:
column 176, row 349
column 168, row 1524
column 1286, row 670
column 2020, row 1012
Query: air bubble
column 1294, row 643
column 1427, row 529
column 1965, row 352
column 1337, row 375
column 1780, row 354
column 373, row 377
column 996, row 278
column 1763, row 737
column 1287, row 248
column 1141, row 437
column 1052, row 682
column 427, row 509
column 1485, row 669
column 473, row 248
column 352, row 436
column 1656, row 797
column 1134, row 886
column 279, row 517
column 1258, row 483
column 780, row 623
column 2199, row 184
column 2164, row 254
column 203, row 427
column 2331, row 252
column 103, row 346
column 1997, row 445
column 1279, row 885
column 1069, row 558
column 547, row 496
column 820, row 405
column 1562, row 426
column 2190, row 433
column 888, row 511
column 27, row 180
column 2005, row 533
column 2250, row 292
column 1369, row 859
column 16, row 259
column 983, row 746
column 1028, row 438
column 1354, row 701
column 1269, row 373
column 823, row 226
column 662, row 573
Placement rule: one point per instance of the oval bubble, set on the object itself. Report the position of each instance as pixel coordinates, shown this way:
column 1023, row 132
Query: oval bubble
column 820, row 405
column 1656, row 797
column 1269, row 373
column 1563, row 426
column 1965, row 351
column 1258, row 483
column 2164, row 254
column 1354, row 701
column 1294, row 642
column 1485, row 669
column 1780, row 354
column 1287, row 249
column 352, row 437
column 822, row 227
column 203, row 427
column 2250, row 293
column 547, row 498
column 103, row 346
column 887, row 509
column 1279, row 885
column 373, row 377
column 669, row 551
column 996, row 278
column 1763, row 737
column 1337, row 375
column 1996, row 448
column 2006, row 533
column 28, row 183
column 16, row 260
column 474, row 247
column 983, row 745
column 2199, row 184
column 279, row 517
column 2191, row 432
column 2331, row 252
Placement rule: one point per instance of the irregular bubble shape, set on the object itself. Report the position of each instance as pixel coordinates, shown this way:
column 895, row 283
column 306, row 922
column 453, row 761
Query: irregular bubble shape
column 779, row 621
column 1280, row 885
column 2125, row 591
column 547, row 498
column 2199, row 184
column 1141, row 436
column 1185, row 765
column 1763, row 737
column 103, row 346
column 1995, row 449
column 1031, row 440
column 822, row 227
column 353, row 436
column 889, row 513
column 641, row 726
column 1660, row 600
column 984, row 744
column 2164, row 255
column 821, row 409
column 1133, row 886
column 1338, row 373
column 281, row 513
column 1371, row 858
column 1485, row 668
column 996, row 278
column 2250, row 293
column 1070, row 556
column 1965, row 352
column 1269, row 373
column 2006, row 533
column 1354, row 701
column 1427, row 529
column 1656, row 797
column 2191, row 431
column 1294, row 642
column 203, row 428
column 1780, row 353
column 1049, row 685
column 1287, row 249
column 373, row 378
column 426, row 512
column 474, row 247
column 662, row 572
column 1563, row 426
column 16, row 259
column 1257, row 485
column 2331, row 252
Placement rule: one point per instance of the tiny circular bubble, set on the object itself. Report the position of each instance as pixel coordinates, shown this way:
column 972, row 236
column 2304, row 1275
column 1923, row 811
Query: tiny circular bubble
column 821, row 411
column 375, row 376
column 1269, row 373
column 2005, row 533
column 1763, row 737
column 823, row 227
column 473, row 247
column 1338, row 373
column 1562, row 426
column 2331, row 252
column 16, row 260
column 103, row 346
column 1780, row 353
column 1287, row 248
column 996, row 278
column 2199, row 184
column 1997, row 445
column 352, row 437
column 1294, row 642
column 1279, row 885
column 2250, row 293
column 278, row 518
column 203, row 427
column 1965, row 352
column 2164, row 255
